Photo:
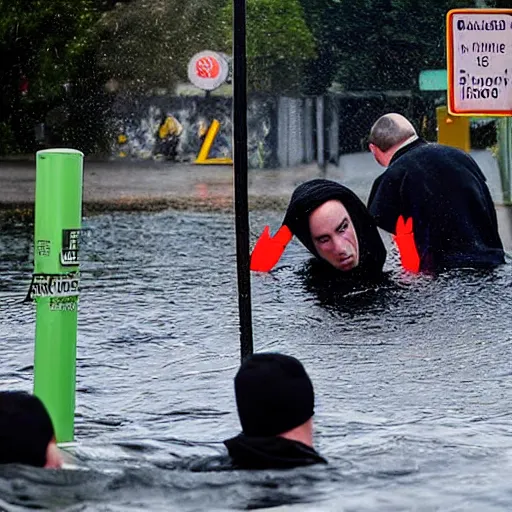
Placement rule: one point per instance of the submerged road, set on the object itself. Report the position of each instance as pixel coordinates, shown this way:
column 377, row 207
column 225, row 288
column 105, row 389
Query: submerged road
column 148, row 185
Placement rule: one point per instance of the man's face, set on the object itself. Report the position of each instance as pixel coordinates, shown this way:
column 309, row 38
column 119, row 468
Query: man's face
column 334, row 236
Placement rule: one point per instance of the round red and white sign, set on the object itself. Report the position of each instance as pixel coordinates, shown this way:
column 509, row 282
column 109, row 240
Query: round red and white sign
column 208, row 70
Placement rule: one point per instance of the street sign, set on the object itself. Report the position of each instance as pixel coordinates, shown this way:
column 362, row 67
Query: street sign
column 479, row 58
column 433, row 80
column 208, row 70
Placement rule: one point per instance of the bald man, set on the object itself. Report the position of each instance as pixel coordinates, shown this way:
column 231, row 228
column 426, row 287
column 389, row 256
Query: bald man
column 442, row 190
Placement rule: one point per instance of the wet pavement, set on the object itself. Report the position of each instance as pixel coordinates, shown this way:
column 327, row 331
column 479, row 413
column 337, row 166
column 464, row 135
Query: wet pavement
column 150, row 185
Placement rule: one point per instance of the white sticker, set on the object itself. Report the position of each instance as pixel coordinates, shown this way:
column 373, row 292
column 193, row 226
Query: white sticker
column 69, row 253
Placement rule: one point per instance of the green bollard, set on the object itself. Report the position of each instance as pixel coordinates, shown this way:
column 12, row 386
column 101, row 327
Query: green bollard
column 58, row 215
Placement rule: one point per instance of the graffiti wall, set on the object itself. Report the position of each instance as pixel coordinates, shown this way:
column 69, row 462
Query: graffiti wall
column 137, row 122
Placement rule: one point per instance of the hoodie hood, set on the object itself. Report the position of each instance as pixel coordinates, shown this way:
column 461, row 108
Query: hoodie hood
column 312, row 194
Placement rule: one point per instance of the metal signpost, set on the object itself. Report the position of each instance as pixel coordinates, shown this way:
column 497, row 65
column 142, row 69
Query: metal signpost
column 240, row 178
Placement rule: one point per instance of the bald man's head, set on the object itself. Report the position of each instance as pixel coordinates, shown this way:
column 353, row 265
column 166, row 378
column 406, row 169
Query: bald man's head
column 390, row 130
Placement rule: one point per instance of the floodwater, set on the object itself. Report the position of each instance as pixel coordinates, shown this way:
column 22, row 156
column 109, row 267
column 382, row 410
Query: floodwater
column 413, row 379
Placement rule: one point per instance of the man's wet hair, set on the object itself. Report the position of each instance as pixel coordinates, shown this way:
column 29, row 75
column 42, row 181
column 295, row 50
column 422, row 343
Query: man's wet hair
column 26, row 429
column 387, row 132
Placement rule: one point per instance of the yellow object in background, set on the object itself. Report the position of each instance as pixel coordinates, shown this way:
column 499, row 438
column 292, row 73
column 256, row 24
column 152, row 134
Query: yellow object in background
column 453, row 130
column 203, row 129
column 171, row 126
column 202, row 157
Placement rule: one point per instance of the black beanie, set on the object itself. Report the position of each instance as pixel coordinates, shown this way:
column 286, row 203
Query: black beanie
column 25, row 429
column 308, row 196
column 273, row 395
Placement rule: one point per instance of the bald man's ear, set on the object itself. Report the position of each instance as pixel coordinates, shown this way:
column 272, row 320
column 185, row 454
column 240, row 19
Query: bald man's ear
column 375, row 151
column 378, row 154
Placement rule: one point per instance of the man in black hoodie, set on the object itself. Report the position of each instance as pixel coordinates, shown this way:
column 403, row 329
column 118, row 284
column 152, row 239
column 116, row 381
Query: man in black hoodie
column 441, row 191
column 275, row 402
column 334, row 225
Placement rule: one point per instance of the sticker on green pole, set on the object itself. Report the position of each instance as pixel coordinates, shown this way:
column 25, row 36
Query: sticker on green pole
column 69, row 251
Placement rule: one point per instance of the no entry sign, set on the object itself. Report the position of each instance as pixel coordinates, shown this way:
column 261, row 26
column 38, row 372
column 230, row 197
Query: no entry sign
column 479, row 58
column 208, row 70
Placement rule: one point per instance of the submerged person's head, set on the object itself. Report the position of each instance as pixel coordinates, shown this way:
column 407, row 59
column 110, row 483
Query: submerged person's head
column 387, row 134
column 275, row 397
column 275, row 403
column 26, row 431
column 336, row 227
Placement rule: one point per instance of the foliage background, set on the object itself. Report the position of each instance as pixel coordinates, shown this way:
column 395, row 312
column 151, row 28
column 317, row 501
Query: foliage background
column 75, row 55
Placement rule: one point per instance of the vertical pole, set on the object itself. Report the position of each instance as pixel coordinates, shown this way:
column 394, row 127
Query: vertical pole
column 58, row 207
column 240, row 178
column 320, row 146
column 505, row 157
column 334, row 131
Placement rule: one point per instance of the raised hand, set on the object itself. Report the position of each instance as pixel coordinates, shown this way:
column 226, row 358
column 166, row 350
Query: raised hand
column 404, row 239
column 268, row 249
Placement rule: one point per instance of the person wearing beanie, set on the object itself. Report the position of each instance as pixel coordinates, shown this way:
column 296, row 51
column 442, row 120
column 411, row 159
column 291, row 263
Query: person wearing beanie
column 441, row 195
column 333, row 224
column 275, row 402
column 26, row 432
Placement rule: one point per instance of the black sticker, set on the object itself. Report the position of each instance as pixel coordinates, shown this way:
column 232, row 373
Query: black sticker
column 69, row 253
column 53, row 285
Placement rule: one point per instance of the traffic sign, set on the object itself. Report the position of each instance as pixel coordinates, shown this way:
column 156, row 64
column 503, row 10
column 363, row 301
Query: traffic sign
column 208, row 70
column 479, row 58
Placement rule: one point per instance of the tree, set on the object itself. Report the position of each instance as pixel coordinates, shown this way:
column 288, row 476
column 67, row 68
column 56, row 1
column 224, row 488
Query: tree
column 279, row 44
column 321, row 17
column 384, row 44
column 146, row 44
column 41, row 49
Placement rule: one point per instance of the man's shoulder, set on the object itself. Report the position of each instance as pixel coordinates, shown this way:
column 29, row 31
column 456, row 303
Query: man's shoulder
column 425, row 155
column 436, row 148
column 433, row 151
column 436, row 162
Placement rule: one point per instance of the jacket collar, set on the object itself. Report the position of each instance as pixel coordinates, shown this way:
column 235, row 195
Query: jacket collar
column 270, row 452
column 407, row 147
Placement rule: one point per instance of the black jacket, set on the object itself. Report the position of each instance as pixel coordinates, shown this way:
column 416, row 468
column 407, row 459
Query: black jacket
column 445, row 192
column 270, row 453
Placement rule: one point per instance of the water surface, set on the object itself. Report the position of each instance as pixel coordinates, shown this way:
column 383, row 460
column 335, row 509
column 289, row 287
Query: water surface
column 412, row 379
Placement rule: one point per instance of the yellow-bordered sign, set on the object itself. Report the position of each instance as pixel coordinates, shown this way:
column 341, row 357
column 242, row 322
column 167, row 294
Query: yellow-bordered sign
column 479, row 60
